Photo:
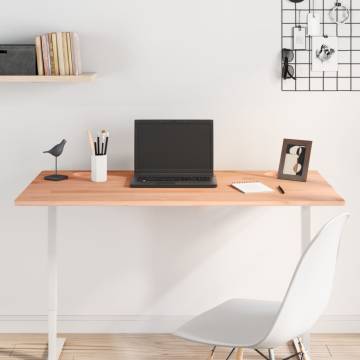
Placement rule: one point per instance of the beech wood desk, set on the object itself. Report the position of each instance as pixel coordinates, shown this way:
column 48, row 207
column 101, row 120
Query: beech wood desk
column 80, row 191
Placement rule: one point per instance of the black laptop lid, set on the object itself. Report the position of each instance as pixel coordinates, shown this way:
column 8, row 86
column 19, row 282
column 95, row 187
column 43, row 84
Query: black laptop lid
column 174, row 147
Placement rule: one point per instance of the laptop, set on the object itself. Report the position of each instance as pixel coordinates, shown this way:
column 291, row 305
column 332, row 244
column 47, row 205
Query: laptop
column 174, row 153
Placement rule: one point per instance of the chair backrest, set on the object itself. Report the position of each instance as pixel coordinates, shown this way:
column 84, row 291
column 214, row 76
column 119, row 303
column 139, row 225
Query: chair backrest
column 310, row 287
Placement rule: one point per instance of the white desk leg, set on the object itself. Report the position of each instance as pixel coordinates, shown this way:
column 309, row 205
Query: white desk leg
column 55, row 345
column 305, row 227
column 305, row 241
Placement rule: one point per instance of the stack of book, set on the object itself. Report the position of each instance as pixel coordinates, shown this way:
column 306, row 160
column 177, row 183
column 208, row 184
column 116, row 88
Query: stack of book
column 58, row 54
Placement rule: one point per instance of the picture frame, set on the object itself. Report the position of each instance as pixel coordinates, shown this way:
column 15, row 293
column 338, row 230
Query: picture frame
column 295, row 159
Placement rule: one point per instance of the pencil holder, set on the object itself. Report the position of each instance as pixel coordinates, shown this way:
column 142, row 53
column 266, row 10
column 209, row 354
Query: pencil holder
column 99, row 168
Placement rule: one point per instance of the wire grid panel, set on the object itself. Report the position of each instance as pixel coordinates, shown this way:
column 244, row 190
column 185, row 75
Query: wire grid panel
column 347, row 78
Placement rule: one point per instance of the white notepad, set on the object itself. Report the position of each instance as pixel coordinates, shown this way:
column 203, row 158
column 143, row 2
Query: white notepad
column 251, row 187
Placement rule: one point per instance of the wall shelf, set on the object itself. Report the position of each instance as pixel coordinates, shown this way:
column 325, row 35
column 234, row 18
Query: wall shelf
column 46, row 79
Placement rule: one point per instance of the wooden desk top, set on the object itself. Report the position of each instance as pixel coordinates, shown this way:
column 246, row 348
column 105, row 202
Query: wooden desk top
column 80, row 191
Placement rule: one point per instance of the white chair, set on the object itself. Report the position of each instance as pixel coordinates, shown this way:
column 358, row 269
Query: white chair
column 254, row 324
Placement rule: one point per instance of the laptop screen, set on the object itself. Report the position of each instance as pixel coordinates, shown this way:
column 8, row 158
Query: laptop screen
column 173, row 147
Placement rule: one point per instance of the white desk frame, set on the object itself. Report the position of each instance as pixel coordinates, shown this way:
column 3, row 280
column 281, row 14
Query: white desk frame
column 305, row 242
column 55, row 344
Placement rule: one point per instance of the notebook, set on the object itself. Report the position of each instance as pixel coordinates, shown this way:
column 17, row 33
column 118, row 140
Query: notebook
column 251, row 187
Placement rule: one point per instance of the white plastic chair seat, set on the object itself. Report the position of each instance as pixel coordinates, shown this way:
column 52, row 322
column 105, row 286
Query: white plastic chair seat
column 234, row 323
column 266, row 324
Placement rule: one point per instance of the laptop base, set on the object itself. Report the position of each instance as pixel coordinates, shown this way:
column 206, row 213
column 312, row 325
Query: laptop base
column 143, row 182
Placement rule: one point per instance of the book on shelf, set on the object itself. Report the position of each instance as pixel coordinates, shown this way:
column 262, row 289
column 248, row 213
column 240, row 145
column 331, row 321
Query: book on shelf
column 51, row 55
column 68, row 38
column 75, row 52
column 58, row 53
column 46, row 54
column 39, row 58
column 65, row 54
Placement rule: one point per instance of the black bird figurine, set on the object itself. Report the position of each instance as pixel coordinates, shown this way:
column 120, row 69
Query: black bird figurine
column 56, row 151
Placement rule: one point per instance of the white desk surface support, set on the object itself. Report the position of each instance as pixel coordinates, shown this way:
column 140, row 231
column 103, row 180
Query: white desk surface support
column 80, row 191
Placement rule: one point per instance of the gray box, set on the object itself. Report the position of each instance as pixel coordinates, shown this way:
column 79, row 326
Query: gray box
column 17, row 60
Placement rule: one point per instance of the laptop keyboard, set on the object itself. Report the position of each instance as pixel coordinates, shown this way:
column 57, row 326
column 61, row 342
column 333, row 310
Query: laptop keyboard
column 177, row 178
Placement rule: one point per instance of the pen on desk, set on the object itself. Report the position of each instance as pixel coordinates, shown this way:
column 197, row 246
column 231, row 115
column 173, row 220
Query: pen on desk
column 281, row 190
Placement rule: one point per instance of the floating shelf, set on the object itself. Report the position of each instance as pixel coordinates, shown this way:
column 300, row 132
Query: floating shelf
column 47, row 79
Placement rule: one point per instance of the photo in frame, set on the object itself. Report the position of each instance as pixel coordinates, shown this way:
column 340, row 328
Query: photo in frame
column 294, row 161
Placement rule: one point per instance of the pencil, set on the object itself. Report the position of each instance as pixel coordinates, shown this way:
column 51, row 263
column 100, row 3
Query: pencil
column 91, row 142
column 106, row 144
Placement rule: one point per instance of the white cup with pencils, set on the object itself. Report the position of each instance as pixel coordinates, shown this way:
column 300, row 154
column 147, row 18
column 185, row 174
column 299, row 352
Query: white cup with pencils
column 99, row 156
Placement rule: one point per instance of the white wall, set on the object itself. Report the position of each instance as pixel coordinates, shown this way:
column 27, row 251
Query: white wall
column 149, row 268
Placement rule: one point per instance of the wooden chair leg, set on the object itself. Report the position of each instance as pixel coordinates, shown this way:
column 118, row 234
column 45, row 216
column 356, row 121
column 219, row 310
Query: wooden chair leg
column 300, row 348
column 304, row 350
column 240, row 354
column 212, row 352
column 271, row 354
